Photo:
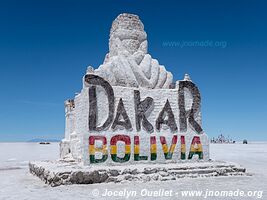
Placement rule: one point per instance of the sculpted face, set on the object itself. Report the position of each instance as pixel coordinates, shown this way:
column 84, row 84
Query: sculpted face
column 128, row 64
column 130, row 31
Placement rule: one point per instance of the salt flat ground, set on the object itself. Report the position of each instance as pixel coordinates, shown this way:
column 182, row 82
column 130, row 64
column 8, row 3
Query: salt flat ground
column 17, row 183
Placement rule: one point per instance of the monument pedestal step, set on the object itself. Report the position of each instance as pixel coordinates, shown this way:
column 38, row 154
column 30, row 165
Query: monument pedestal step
column 60, row 172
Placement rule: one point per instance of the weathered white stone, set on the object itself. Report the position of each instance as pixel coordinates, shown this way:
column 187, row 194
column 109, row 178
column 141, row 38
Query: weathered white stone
column 128, row 67
column 57, row 173
column 127, row 63
column 187, row 77
column 65, row 145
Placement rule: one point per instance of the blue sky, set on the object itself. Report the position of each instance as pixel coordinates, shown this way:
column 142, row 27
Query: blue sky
column 45, row 47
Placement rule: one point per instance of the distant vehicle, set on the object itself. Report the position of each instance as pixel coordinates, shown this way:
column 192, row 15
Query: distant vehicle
column 245, row 142
column 44, row 143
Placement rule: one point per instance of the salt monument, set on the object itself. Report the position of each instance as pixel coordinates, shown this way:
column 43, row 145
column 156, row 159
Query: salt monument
column 132, row 119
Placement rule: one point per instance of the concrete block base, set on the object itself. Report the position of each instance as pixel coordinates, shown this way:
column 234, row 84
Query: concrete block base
column 57, row 173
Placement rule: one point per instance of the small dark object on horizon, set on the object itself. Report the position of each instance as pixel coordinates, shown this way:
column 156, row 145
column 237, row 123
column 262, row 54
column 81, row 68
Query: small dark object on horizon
column 245, row 142
column 44, row 143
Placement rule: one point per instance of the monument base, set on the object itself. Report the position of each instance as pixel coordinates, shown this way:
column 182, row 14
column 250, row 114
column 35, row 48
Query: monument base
column 60, row 172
